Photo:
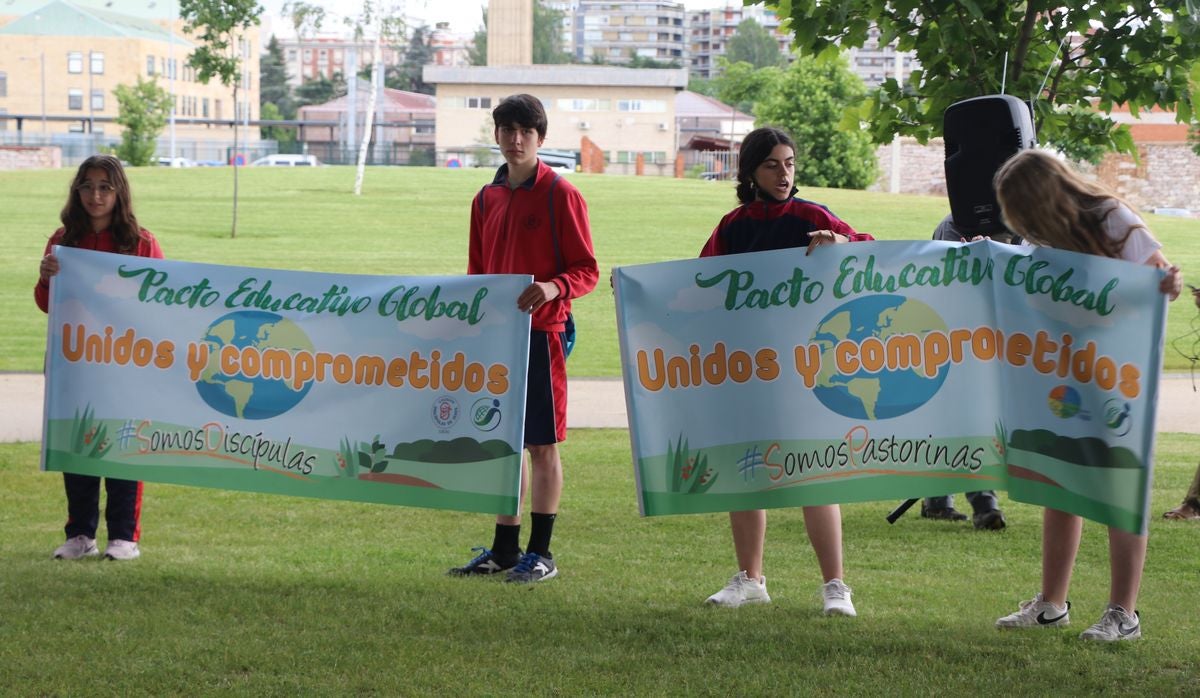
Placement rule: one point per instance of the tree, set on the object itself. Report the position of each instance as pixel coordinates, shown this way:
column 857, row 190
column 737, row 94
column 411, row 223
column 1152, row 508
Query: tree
column 741, row 84
column 477, row 51
column 636, row 61
column 142, row 111
column 280, row 134
column 754, row 44
column 273, row 87
column 1078, row 59
column 409, row 74
column 808, row 100
column 320, row 90
column 219, row 25
column 547, row 37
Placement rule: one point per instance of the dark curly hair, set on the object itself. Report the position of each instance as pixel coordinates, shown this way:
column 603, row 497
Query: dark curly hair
column 756, row 148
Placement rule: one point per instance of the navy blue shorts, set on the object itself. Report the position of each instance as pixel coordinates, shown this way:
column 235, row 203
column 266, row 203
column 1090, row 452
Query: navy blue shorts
column 546, row 390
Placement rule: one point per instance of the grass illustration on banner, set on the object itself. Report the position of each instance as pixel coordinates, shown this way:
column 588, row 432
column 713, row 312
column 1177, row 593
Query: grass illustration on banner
column 89, row 437
column 689, row 474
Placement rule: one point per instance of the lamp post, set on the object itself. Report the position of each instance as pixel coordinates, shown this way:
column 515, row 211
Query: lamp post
column 42, row 62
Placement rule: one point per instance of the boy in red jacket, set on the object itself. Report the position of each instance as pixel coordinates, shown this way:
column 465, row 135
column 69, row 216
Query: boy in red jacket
column 531, row 221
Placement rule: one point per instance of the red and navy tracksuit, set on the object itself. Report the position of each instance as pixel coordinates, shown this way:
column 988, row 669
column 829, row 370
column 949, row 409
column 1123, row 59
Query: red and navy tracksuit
column 774, row 225
column 540, row 228
column 123, row 512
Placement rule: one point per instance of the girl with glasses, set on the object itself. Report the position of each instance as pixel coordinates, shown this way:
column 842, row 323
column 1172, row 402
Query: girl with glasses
column 99, row 216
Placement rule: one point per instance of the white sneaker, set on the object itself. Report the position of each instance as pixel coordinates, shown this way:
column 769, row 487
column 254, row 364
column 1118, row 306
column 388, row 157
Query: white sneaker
column 121, row 550
column 1116, row 624
column 741, row 589
column 1037, row 613
column 837, row 599
column 75, row 548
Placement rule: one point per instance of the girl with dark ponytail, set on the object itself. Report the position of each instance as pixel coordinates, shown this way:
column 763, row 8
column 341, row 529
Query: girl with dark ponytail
column 770, row 217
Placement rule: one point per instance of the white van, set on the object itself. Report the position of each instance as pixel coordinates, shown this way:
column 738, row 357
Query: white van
column 281, row 160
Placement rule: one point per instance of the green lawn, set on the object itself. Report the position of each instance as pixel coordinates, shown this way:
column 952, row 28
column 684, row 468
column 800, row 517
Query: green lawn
column 414, row 221
column 243, row 594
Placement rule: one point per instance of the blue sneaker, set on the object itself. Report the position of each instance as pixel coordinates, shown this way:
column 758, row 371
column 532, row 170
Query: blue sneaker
column 532, row 568
column 486, row 562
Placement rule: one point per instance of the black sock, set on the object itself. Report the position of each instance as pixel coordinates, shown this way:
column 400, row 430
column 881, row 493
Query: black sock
column 540, row 532
column 507, row 541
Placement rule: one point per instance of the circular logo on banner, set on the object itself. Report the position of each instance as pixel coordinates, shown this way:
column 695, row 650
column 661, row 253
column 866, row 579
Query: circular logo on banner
column 445, row 412
column 875, row 391
column 485, row 414
column 247, row 394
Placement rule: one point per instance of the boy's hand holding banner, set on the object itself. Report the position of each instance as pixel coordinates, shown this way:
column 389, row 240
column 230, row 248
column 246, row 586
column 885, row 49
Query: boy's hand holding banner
column 403, row 390
column 892, row 370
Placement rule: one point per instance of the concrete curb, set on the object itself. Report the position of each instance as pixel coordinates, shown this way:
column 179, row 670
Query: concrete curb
column 593, row 403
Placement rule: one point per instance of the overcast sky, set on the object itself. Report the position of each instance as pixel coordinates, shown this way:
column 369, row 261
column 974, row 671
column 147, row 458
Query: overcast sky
column 464, row 16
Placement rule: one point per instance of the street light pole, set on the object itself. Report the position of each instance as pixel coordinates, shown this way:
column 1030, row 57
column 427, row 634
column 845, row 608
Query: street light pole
column 43, row 61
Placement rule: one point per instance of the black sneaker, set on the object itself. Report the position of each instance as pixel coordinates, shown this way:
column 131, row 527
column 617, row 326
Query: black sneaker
column 990, row 520
column 532, row 568
column 942, row 513
column 486, row 562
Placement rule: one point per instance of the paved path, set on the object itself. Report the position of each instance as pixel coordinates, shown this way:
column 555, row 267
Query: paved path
column 593, row 403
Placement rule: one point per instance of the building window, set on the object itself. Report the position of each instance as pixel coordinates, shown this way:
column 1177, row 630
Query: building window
column 149, row 65
column 75, row 62
column 97, row 100
column 204, row 107
column 3, row 84
column 642, row 105
column 307, row 54
column 479, row 102
column 97, row 63
column 75, row 99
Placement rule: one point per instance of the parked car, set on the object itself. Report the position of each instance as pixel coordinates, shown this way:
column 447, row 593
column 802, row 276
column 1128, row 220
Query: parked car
column 282, row 160
column 175, row 162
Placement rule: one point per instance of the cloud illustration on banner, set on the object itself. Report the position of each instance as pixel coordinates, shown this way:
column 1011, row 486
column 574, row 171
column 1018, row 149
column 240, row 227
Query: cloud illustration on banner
column 692, row 299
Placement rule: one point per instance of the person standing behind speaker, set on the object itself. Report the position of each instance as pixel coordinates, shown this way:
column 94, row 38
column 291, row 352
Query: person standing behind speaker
column 1051, row 206
column 770, row 217
column 986, row 514
column 1189, row 509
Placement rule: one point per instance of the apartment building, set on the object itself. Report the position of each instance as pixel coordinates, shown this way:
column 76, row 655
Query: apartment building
column 625, row 113
column 325, row 55
column 60, row 62
column 613, row 33
column 709, row 32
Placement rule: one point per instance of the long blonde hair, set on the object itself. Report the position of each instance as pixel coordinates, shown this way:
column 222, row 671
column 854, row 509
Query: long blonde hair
column 1050, row 205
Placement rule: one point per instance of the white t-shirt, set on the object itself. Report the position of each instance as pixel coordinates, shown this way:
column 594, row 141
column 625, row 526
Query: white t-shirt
column 1139, row 247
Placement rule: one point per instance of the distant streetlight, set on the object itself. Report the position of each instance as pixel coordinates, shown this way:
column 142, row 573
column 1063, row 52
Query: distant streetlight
column 42, row 60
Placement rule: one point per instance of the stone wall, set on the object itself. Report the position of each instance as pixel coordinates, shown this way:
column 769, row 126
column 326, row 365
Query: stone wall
column 26, row 157
column 1166, row 175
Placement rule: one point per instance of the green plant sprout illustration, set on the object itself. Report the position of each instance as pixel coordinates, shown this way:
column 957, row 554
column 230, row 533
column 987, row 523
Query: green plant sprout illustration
column 689, row 474
column 89, row 438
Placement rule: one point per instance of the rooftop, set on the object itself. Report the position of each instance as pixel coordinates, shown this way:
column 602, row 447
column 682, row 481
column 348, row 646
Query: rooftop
column 580, row 75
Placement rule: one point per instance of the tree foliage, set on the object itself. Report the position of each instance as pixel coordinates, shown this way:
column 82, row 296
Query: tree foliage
column 808, row 100
column 754, row 44
column 320, row 90
column 142, row 111
column 273, row 87
column 1078, row 59
column 219, row 25
column 409, row 74
column 741, row 84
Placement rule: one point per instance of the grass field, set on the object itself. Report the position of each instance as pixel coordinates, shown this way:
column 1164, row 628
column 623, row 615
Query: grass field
column 414, row 221
column 242, row 594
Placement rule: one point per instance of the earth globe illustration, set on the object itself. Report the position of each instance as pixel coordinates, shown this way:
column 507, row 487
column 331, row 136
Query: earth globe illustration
column 886, row 393
column 250, row 397
column 1064, row 401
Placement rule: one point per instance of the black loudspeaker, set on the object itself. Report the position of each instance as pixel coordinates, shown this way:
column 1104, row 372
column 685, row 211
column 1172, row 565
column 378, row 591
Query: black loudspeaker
column 980, row 134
